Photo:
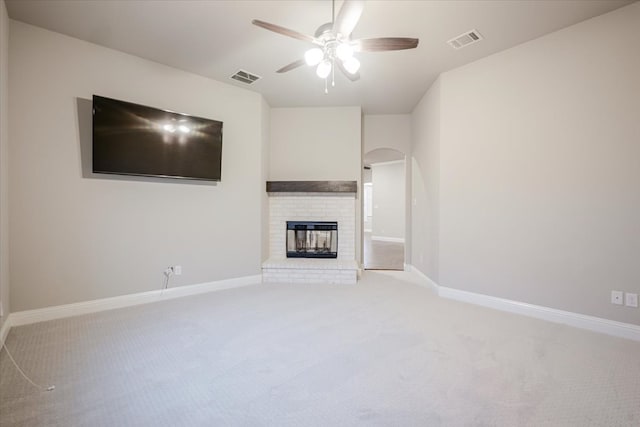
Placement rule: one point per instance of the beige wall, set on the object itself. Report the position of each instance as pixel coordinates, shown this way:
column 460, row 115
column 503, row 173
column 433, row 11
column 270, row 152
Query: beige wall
column 318, row 144
column 78, row 236
column 425, row 183
column 387, row 131
column 4, row 162
column 265, row 136
column 534, row 198
column 540, row 167
column 388, row 200
column 315, row 144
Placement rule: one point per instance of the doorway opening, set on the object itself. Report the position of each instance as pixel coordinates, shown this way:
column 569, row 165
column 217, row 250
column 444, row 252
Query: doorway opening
column 384, row 220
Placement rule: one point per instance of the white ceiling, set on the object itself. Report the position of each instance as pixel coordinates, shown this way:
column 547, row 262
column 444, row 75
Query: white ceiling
column 216, row 38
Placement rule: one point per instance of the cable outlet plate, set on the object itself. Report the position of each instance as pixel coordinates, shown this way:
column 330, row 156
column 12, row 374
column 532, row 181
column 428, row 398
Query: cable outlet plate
column 616, row 297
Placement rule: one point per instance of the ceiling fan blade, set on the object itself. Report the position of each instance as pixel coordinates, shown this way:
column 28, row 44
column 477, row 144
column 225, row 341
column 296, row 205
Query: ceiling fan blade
column 384, row 43
column 284, row 31
column 348, row 17
column 352, row 77
column 289, row 67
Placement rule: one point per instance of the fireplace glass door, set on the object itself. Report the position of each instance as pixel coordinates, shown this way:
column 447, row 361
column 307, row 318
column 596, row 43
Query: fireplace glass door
column 308, row 239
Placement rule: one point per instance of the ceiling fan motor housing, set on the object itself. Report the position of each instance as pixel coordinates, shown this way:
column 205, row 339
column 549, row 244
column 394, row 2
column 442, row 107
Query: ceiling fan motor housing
column 324, row 31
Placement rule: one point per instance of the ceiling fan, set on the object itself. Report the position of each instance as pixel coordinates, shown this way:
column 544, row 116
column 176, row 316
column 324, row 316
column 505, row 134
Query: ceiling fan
column 334, row 47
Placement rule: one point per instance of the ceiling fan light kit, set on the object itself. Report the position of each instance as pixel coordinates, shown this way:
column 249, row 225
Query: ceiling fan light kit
column 313, row 56
column 324, row 69
column 352, row 65
column 332, row 51
column 334, row 47
column 325, row 58
column 344, row 51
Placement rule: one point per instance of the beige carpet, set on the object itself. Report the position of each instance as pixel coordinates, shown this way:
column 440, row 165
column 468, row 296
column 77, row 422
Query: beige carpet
column 385, row 352
column 380, row 255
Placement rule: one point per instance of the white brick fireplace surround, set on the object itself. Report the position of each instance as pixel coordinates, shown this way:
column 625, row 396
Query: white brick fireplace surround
column 311, row 201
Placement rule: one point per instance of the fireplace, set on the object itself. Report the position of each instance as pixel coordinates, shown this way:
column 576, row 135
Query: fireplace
column 315, row 210
column 312, row 239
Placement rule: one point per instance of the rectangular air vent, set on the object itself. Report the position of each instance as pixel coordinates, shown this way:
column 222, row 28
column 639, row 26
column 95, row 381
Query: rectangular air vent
column 245, row 77
column 465, row 39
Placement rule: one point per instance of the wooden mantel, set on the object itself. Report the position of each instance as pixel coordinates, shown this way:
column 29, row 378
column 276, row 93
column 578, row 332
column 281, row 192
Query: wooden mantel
column 312, row 187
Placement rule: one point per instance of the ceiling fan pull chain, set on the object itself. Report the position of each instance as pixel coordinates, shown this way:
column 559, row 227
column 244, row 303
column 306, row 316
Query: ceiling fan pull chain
column 333, row 73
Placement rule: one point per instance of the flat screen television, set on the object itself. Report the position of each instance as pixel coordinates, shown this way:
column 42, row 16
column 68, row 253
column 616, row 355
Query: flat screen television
column 132, row 139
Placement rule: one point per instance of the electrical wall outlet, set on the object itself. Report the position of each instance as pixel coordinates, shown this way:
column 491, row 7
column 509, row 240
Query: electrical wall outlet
column 631, row 300
column 177, row 270
column 616, row 297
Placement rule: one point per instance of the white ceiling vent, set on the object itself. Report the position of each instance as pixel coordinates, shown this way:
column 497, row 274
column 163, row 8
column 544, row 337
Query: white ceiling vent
column 465, row 39
column 245, row 77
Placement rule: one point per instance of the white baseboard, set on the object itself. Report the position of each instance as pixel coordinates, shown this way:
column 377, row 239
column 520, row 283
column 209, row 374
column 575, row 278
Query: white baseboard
column 57, row 312
column 424, row 279
column 592, row 323
column 388, row 239
column 582, row 321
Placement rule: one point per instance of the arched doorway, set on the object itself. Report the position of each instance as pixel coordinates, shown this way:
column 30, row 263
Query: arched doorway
column 384, row 218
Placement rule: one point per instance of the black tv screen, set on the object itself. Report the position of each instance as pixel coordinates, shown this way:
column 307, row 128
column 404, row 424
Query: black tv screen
column 132, row 139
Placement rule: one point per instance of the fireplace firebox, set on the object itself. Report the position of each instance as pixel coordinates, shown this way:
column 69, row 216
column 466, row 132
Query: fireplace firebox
column 309, row 239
